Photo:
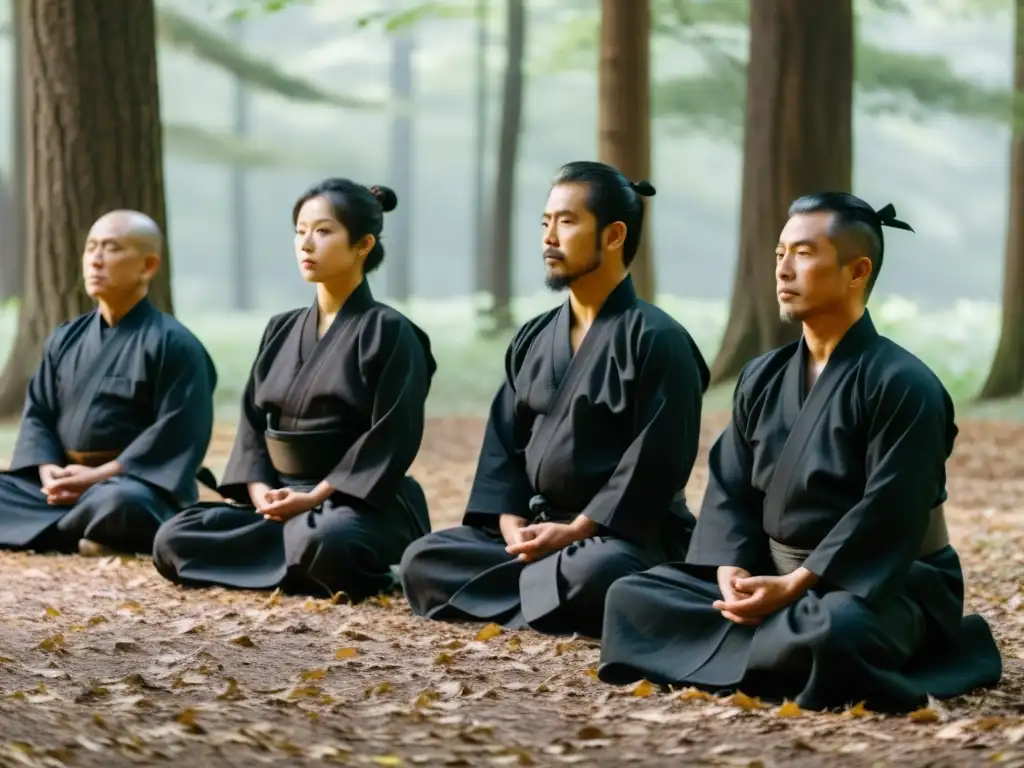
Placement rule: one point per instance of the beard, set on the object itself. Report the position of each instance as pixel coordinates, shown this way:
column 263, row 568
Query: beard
column 559, row 282
column 788, row 315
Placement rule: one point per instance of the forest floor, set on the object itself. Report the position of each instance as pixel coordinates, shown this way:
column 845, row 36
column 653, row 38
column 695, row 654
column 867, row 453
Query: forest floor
column 103, row 664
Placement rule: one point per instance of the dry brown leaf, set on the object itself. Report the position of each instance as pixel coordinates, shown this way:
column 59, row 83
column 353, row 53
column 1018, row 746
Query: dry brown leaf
column 924, row 715
column 515, row 643
column 53, row 644
column 747, row 703
column 187, row 719
column 643, row 689
column 694, row 694
column 52, row 612
column 858, row 710
column 444, row 659
column 789, row 709
column 489, row 632
column 232, row 692
column 242, row 641
column 312, row 674
column 589, row 732
column 96, row 620
column 131, row 605
column 305, row 692
column 346, row 653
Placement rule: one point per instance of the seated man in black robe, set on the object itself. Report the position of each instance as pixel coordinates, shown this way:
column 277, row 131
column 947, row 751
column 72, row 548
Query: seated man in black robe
column 590, row 439
column 318, row 499
column 118, row 415
column 820, row 569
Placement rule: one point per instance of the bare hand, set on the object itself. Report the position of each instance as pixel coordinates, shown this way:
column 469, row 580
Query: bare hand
column 64, row 485
column 258, row 493
column 541, row 539
column 511, row 527
column 285, row 503
column 754, row 598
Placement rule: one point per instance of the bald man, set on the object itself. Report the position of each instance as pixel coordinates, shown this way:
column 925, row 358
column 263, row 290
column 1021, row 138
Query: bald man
column 118, row 415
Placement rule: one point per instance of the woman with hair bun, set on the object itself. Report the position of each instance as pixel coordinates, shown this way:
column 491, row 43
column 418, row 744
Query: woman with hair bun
column 317, row 496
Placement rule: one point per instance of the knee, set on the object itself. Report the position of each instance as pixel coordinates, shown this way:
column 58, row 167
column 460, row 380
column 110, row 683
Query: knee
column 593, row 567
column 846, row 626
column 115, row 496
column 411, row 565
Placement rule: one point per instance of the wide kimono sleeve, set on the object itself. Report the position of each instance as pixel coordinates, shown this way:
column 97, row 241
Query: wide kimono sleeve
column 656, row 465
column 38, row 443
column 869, row 551
column 249, row 461
column 396, row 365
column 168, row 453
column 730, row 528
column 501, row 485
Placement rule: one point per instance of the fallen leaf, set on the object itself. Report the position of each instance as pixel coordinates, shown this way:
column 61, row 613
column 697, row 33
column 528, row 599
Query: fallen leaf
column 52, row 612
column 346, row 653
column 232, row 692
column 745, row 702
column 131, row 605
column 694, row 694
column 644, row 688
column 242, row 641
column 789, row 709
column 924, row 715
column 53, row 644
column 858, row 710
column 444, row 659
column 588, row 732
column 313, row 674
column 489, row 632
column 393, row 761
column 187, row 718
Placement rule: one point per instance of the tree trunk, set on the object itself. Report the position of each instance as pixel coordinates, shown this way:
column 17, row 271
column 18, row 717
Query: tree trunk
column 503, row 221
column 399, row 229
column 94, row 144
column 13, row 210
column 240, row 284
column 1006, row 376
column 624, row 111
column 481, row 263
column 798, row 140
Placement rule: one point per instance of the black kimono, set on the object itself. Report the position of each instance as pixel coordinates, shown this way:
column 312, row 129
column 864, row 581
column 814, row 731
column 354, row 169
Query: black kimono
column 347, row 409
column 610, row 432
column 140, row 393
column 847, row 480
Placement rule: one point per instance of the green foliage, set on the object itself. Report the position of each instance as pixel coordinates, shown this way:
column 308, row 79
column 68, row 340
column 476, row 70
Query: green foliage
column 180, row 31
column 199, row 144
column 392, row 21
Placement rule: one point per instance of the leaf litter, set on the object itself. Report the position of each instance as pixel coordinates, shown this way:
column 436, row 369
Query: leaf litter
column 103, row 664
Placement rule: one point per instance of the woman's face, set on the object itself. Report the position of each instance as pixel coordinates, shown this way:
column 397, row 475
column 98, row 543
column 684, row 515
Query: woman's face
column 322, row 245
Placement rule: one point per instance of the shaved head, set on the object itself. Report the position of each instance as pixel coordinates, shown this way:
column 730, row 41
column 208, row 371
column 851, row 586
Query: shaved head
column 122, row 255
column 140, row 229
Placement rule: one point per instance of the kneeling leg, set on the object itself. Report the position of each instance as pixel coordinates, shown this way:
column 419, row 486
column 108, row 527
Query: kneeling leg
column 565, row 592
column 340, row 549
column 120, row 515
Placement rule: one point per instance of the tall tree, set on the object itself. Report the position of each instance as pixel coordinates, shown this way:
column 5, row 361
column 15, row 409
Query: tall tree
column 401, row 167
column 94, row 144
column 502, row 220
column 1006, row 376
column 13, row 211
column 624, row 108
column 797, row 140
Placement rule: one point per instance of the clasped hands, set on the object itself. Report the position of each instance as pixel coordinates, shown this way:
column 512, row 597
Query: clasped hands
column 281, row 504
column 750, row 599
column 532, row 541
column 65, row 485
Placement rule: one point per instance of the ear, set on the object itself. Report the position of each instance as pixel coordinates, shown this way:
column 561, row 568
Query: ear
column 150, row 266
column 860, row 269
column 365, row 245
column 614, row 236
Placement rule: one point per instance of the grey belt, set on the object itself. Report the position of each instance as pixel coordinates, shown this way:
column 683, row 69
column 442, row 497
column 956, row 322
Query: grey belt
column 787, row 559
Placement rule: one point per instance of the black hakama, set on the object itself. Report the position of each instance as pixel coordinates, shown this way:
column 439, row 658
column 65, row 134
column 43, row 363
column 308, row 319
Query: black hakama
column 610, row 432
column 347, row 409
column 141, row 394
column 847, row 481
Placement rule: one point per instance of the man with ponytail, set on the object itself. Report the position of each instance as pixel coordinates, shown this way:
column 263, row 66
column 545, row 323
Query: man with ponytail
column 590, row 440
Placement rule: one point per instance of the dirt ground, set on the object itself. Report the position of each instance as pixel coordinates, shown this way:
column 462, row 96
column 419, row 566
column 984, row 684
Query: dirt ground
column 103, row 664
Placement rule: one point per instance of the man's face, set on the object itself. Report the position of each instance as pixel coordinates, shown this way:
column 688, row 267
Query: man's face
column 809, row 279
column 570, row 238
column 113, row 263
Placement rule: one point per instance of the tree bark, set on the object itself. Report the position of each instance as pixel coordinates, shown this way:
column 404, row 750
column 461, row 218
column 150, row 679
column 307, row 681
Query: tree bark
column 13, row 212
column 624, row 110
column 797, row 140
column 1006, row 377
column 93, row 145
column 402, row 165
column 503, row 221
